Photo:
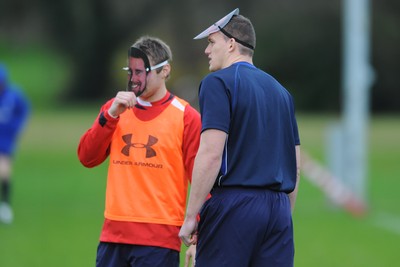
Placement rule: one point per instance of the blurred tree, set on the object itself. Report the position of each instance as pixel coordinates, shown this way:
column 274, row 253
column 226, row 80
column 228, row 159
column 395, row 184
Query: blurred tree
column 299, row 42
column 386, row 55
column 90, row 32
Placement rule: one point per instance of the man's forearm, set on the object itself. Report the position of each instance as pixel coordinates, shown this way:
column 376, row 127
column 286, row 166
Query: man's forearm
column 204, row 173
column 206, row 168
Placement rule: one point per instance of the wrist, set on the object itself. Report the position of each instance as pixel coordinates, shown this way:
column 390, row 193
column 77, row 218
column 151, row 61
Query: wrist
column 111, row 115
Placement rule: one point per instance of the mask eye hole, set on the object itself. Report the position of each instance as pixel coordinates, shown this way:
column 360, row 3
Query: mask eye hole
column 128, row 70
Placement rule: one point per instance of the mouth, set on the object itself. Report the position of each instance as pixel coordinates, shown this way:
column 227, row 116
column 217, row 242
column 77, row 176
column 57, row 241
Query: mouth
column 137, row 88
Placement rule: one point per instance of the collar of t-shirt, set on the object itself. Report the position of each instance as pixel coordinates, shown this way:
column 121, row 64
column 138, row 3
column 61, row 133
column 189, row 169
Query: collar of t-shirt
column 149, row 110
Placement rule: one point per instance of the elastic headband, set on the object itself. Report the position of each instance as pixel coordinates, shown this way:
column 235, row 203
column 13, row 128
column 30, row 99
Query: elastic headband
column 138, row 53
column 159, row 65
column 236, row 39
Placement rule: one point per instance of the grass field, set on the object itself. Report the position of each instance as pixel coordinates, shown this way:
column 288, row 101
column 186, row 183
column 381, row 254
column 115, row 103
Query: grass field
column 59, row 204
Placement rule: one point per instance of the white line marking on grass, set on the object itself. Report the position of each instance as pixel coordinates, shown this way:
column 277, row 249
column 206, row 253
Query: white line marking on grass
column 387, row 222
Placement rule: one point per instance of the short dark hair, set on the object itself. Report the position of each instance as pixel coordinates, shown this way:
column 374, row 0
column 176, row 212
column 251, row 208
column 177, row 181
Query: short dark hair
column 241, row 28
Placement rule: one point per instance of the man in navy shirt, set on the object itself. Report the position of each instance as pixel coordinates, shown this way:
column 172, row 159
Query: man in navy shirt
column 249, row 157
column 14, row 109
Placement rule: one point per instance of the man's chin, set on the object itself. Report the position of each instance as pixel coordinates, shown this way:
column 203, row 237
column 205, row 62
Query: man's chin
column 139, row 92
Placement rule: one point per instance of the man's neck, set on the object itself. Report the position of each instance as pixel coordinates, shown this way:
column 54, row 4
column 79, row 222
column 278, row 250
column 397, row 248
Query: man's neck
column 151, row 101
column 239, row 58
column 156, row 96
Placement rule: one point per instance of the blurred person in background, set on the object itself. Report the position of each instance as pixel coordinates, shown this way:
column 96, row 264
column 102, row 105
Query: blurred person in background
column 151, row 138
column 248, row 157
column 14, row 111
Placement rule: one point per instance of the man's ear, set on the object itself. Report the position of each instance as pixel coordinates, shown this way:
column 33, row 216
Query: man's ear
column 166, row 70
column 232, row 44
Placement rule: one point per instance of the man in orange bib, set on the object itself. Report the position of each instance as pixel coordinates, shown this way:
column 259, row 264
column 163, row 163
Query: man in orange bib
column 151, row 138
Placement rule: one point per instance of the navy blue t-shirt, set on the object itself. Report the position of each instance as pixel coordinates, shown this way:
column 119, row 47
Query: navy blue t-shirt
column 258, row 115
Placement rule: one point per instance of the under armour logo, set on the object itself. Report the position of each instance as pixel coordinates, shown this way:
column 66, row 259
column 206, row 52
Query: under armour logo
column 150, row 152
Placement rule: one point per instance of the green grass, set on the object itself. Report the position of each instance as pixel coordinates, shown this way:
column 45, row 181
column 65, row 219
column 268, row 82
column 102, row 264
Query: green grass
column 58, row 203
column 326, row 236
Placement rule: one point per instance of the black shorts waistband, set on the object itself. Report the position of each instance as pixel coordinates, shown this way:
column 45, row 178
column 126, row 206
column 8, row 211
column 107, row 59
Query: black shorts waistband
column 221, row 189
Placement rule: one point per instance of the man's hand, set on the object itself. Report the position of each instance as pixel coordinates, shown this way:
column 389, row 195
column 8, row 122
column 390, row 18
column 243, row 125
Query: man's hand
column 190, row 254
column 122, row 101
column 188, row 232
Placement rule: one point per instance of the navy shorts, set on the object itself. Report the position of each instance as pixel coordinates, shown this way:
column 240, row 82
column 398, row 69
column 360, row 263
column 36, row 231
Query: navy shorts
column 245, row 228
column 125, row 255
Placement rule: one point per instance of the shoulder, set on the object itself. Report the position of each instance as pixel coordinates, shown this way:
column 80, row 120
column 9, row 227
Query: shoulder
column 215, row 80
column 184, row 106
column 179, row 103
column 192, row 113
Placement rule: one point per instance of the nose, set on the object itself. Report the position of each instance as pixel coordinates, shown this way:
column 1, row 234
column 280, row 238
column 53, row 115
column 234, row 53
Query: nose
column 130, row 75
column 134, row 77
column 207, row 51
